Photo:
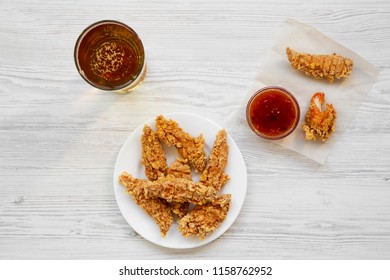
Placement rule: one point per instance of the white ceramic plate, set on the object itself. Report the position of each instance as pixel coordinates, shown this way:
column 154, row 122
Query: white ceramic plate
column 129, row 159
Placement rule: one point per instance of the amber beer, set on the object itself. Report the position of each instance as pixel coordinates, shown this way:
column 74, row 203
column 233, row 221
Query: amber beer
column 110, row 56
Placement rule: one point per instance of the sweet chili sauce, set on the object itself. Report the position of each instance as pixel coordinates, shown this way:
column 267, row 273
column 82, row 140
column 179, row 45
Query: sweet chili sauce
column 273, row 113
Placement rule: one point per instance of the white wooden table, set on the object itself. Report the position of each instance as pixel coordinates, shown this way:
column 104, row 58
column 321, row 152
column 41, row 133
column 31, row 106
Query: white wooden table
column 59, row 138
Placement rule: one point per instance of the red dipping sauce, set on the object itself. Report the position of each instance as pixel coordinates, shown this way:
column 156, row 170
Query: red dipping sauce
column 272, row 113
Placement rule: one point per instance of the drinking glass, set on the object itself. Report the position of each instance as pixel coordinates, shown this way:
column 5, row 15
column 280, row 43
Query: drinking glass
column 110, row 55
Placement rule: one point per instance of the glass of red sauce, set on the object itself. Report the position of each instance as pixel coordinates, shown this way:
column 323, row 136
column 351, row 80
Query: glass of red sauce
column 272, row 113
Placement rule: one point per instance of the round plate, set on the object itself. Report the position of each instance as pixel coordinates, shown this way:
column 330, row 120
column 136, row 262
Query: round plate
column 129, row 159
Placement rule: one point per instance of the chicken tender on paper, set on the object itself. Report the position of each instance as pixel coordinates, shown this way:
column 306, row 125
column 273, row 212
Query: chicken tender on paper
column 188, row 147
column 321, row 66
column 205, row 219
column 180, row 169
column 319, row 124
column 181, row 190
column 153, row 155
column 155, row 207
column 214, row 175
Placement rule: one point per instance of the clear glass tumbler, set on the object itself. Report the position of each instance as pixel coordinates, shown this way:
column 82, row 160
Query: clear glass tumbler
column 109, row 55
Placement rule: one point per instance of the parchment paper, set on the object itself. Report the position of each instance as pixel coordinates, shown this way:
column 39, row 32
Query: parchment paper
column 346, row 95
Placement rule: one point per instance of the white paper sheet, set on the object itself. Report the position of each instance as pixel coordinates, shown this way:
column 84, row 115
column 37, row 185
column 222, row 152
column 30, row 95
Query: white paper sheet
column 346, row 95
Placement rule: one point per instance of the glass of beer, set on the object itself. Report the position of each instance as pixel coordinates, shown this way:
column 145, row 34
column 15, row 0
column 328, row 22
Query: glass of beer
column 109, row 55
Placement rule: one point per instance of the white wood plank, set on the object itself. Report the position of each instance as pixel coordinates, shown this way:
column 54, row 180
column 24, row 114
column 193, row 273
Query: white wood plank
column 59, row 138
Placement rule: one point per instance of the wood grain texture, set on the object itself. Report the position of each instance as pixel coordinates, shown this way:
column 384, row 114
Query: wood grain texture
column 59, row 138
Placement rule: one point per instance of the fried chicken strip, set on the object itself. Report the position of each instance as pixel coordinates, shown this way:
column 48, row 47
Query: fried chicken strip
column 157, row 208
column 188, row 147
column 319, row 124
column 205, row 219
column 153, row 155
column 181, row 190
column 214, row 175
column 180, row 169
column 321, row 66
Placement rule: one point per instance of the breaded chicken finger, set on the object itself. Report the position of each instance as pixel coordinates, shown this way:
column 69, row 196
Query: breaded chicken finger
column 180, row 169
column 205, row 219
column 153, row 155
column 181, row 190
column 155, row 207
column 320, row 66
column 188, row 147
column 214, row 175
column 319, row 124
